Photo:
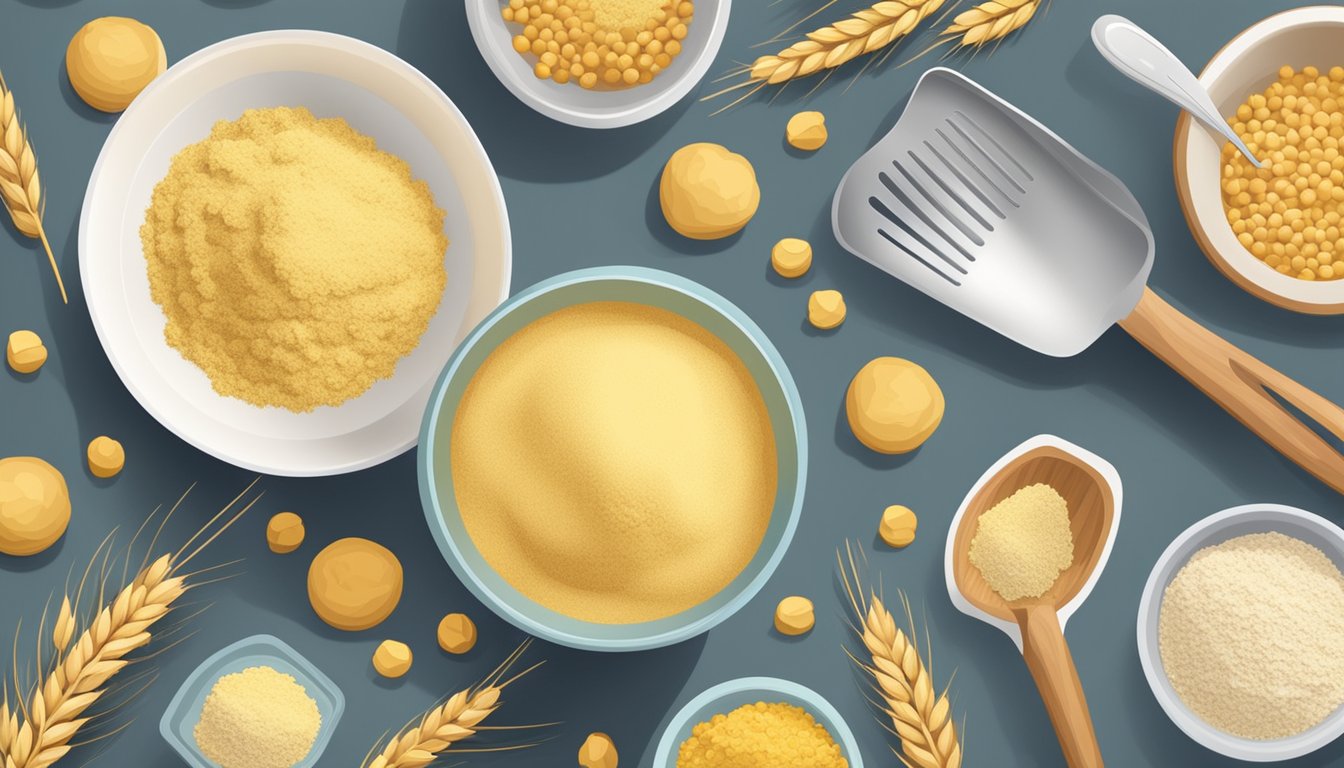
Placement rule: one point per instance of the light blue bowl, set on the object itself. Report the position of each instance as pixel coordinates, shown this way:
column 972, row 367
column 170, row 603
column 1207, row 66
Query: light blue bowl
column 653, row 288
column 725, row 697
column 184, row 711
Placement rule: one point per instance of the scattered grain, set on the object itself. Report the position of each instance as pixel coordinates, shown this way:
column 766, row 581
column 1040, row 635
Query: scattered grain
column 392, row 658
column 106, row 457
column 826, row 309
column 806, row 131
column 457, row 633
column 794, row 616
column 791, row 257
column 598, row 751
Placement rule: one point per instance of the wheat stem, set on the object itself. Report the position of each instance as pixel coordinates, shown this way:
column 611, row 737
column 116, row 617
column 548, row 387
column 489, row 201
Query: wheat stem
column 442, row 727
column 991, row 21
column 863, row 32
column 920, row 716
column 20, row 182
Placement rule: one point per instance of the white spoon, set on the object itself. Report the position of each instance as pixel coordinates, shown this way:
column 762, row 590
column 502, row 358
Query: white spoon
column 1141, row 58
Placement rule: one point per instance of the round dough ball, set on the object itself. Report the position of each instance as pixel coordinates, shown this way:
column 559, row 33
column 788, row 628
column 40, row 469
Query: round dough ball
column 106, row 457
column 354, row 584
column 34, row 505
column 893, row 405
column 111, row 59
column 708, row 192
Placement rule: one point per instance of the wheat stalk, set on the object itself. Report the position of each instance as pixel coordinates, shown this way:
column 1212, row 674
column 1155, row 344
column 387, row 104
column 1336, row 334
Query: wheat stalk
column 827, row 48
column 20, row 183
column 991, row 21
column 920, row 717
column 442, row 727
column 36, row 730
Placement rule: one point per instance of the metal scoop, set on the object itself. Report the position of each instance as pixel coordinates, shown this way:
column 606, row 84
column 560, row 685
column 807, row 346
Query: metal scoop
column 981, row 207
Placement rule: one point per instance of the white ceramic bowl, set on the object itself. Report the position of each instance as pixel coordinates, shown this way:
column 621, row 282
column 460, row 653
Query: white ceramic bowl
column 1217, row 528
column 598, row 108
column 334, row 76
column 1246, row 65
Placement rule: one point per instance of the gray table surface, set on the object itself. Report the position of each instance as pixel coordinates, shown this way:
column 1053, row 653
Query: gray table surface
column 580, row 198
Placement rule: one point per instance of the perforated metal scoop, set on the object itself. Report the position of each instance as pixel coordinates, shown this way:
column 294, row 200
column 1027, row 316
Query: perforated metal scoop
column 981, row 207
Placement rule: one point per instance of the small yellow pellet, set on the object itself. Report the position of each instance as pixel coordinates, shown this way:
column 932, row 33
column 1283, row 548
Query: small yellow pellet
column 806, row 131
column 794, row 616
column 392, row 658
column 898, row 526
column 791, row 257
column 106, row 456
column 826, row 309
column 457, row 633
column 284, row 532
column 598, row 751
column 25, row 352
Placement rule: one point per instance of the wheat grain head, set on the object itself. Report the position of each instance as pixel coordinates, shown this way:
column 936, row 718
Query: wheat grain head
column 920, row 716
column 20, row 183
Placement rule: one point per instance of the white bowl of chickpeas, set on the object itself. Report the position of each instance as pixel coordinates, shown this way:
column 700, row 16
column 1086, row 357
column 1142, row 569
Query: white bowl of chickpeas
column 599, row 63
column 1278, row 231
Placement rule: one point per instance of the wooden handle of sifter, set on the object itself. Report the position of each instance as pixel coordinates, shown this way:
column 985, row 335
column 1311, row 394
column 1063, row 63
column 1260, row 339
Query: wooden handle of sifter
column 1245, row 387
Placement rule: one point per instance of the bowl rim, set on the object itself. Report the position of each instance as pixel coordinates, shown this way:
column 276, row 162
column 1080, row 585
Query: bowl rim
column 1260, row 282
column 261, row 645
column 208, row 56
column 501, row 606
column 1204, row 533
column 494, row 53
column 815, row 704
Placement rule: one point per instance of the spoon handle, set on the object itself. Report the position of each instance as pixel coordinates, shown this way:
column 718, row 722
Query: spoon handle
column 1140, row 57
column 1051, row 665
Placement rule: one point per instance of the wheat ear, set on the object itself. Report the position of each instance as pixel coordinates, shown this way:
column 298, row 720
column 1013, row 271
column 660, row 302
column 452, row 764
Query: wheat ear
column 920, row 717
column 865, row 31
column 442, row 727
column 20, row 183
column 991, row 21
column 37, row 730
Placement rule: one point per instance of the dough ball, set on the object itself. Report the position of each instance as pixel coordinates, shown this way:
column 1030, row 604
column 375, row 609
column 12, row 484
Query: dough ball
column 111, row 59
column 34, row 505
column 708, row 192
column 893, row 405
column 354, row 584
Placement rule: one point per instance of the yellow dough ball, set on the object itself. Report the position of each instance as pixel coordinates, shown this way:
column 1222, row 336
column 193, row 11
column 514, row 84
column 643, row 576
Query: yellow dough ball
column 34, row 505
column 791, row 257
column 284, row 532
column 354, row 584
column 392, row 658
column 457, row 633
column 806, row 131
column 111, row 59
column 106, row 457
column 598, row 751
column 893, row 405
column 707, row 192
column 826, row 309
column 794, row 616
column 25, row 352
column 898, row 526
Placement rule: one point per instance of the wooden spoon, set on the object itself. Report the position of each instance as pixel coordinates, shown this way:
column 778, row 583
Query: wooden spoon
column 1091, row 488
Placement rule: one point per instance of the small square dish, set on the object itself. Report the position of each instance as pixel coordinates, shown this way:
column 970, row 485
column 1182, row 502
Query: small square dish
column 184, row 711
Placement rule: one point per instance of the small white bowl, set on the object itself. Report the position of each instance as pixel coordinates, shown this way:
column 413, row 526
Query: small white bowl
column 1214, row 529
column 334, row 76
column 599, row 107
column 1247, row 65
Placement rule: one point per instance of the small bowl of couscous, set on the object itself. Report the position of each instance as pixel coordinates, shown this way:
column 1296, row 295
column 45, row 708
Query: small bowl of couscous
column 1276, row 231
column 761, row 721
column 599, row 63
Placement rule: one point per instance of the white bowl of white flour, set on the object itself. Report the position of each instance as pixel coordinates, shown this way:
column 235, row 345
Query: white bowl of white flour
column 1240, row 630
